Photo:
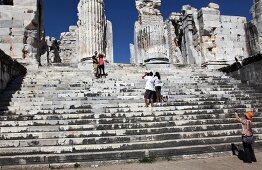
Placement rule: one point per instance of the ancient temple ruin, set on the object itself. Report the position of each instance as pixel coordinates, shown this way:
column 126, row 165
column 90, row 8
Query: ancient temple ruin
column 61, row 117
column 202, row 37
column 150, row 37
column 192, row 36
column 209, row 38
column 21, row 29
column 95, row 31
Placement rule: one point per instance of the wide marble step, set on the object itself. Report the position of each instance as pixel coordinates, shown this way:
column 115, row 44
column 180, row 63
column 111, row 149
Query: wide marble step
column 138, row 154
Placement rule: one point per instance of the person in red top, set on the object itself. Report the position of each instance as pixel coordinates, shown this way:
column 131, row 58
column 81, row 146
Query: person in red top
column 101, row 65
column 247, row 136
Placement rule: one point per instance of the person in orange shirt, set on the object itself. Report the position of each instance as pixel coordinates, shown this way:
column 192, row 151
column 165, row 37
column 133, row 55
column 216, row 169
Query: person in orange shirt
column 247, row 136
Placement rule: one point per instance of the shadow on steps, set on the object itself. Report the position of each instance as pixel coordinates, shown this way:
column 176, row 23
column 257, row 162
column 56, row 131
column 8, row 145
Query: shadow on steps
column 6, row 95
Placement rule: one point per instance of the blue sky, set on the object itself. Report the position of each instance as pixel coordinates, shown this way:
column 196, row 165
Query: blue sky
column 60, row 14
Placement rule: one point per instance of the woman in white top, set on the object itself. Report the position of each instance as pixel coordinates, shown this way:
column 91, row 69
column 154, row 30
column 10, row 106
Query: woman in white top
column 158, row 85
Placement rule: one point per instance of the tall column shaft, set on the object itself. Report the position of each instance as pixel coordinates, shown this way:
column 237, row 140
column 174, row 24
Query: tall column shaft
column 93, row 27
column 258, row 20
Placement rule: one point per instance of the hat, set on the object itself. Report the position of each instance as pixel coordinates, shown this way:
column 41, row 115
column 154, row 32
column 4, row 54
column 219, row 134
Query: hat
column 249, row 115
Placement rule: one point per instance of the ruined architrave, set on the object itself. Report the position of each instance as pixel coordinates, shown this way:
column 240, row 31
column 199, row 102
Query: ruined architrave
column 95, row 32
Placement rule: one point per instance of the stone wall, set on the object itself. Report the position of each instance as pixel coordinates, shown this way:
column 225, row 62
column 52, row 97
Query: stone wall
column 9, row 69
column 254, row 30
column 205, row 37
column 257, row 15
column 250, row 73
column 21, row 29
column 69, row 46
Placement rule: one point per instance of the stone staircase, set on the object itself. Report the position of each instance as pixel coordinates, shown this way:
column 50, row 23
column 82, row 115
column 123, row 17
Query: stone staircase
column 62, row 116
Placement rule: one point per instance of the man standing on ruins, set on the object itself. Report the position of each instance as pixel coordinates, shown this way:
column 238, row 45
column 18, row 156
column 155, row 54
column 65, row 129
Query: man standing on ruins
column 95, row 64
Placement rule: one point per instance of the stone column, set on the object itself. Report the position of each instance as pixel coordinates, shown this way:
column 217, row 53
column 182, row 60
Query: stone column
column 109, row 40
column 257, row 14
column 92, row 28
column 150, row 39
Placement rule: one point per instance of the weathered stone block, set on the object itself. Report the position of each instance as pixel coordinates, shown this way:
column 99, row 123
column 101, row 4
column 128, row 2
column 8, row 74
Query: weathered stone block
column 208, row 11
column 213, row 6
column 18, row 31
column 30, row 3
column 11, row 24
column 4, row 31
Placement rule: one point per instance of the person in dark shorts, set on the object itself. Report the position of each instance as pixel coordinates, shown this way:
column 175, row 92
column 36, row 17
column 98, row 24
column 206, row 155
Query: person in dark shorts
column 95, row 64
column 148, row 96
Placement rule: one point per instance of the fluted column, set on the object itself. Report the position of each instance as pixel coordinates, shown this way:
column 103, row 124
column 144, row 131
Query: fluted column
column 258, row 20
column 150, row 35
column 93, row 27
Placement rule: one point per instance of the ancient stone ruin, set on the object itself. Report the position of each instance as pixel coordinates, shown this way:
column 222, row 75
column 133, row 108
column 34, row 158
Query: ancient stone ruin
column 201, row 37
column 21, row 25
column 61, row 116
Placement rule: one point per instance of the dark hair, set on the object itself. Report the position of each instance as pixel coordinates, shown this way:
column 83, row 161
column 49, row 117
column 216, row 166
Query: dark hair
column 151, row 73
column 158, row 75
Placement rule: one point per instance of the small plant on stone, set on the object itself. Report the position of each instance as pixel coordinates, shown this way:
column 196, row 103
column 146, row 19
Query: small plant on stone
column 77, row 165
column 147, row 160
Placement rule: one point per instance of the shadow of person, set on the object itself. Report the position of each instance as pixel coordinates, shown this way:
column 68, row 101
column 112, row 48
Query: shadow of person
column 242, row 155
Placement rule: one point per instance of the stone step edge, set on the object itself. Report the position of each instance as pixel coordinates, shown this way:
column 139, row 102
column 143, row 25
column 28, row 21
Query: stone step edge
column 120, row 118
column 220, row 106
column 43, row 117
column 115, row 131
column 110, row 131
column 97, row 164
column 126, row 104
column 97, row 125
column 144, row 151
column 257, row 136
column 192, row 121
